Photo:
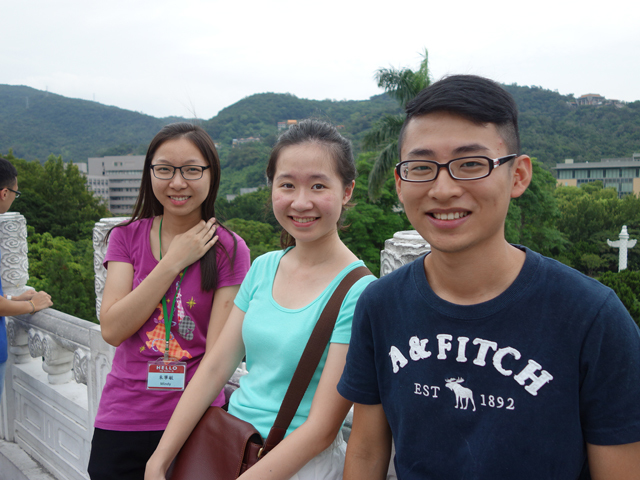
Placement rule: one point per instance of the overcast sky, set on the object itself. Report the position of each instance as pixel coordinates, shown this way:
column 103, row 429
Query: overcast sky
column 191, row 57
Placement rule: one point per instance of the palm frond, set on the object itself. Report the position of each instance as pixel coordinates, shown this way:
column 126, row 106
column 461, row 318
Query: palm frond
column 383, row 131
column 403, row 85
column 384, row 163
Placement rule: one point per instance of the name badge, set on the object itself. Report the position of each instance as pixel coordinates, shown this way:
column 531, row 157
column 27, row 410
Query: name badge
column 163, row 375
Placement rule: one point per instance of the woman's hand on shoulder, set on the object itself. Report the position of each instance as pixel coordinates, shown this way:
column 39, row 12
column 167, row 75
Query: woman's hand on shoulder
column 187, row 248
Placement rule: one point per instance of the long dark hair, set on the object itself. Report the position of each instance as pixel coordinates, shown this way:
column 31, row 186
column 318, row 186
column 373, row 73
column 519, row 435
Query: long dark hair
column 325, row 134
column 148, row 206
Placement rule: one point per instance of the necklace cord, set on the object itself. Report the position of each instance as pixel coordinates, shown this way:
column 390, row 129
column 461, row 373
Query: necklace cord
column 168, row 318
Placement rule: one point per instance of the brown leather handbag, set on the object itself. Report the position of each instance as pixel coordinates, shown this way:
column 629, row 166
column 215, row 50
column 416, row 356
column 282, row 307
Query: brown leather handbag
column 221, row 446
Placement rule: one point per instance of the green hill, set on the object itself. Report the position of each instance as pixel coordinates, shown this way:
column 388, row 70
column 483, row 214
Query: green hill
column 552, row 131
column 258, row 115
column 35, row 124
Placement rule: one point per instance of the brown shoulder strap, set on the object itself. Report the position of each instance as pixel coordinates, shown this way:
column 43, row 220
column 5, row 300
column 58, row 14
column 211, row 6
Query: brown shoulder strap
column 310, row 358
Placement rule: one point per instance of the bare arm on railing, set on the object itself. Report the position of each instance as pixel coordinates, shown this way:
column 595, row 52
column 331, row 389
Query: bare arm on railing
column 27, row 302
column 124, row 310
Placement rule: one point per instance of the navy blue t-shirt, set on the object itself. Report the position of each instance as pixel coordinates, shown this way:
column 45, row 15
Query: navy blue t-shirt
column 509, row 388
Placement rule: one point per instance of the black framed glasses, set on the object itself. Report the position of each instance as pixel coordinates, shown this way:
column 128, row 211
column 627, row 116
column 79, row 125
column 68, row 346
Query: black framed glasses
column 17, row 192
column 188, row 172
column 463, row 168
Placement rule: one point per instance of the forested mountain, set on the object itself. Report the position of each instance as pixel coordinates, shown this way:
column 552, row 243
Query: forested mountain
column 552, row 131
column 35, row 124
column 570, row 224
column 258, row 115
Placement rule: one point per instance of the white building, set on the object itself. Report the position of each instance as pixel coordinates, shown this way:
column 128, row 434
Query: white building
column 117, row 180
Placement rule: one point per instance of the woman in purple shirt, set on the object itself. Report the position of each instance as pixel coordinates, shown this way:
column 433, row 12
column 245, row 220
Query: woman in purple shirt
column 172, row 275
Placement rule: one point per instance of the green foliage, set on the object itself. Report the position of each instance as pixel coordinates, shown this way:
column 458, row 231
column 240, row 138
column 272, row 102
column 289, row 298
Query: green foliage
column 371, row 222
column 589, row 215
column 250, row 206
column 36, row 123
column 64, row 269
column 532, row 217
column 402, row 85
column 244, row 166
column 552, row 130
column 61, row 214
column 626, row 284
column 55, row 199
column 258, row 116
column 251, row 217
column 260, row 237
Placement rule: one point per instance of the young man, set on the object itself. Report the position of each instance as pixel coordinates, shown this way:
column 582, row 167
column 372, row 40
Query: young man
column 26, row 302
column 484, row 359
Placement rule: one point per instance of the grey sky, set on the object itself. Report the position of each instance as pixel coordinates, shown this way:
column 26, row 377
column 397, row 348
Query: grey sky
column 166, row 58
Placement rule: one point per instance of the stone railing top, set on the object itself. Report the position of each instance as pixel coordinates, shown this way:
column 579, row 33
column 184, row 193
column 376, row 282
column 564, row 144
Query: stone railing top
column 403, row 248
column 69, row 331
column 409, row 238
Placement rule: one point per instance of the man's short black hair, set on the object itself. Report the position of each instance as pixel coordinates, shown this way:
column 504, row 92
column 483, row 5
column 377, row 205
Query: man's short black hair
column 477, row 99
column 8, row 174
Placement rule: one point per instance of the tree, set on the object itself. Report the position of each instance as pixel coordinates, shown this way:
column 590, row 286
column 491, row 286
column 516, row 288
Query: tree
column 64, row 269
column 370, row 222
column 626, row 284
column 250, row 206
column 55, row 199
column 403, row 85
column 57, row 204
column 589, row 215
column 531, row 220
column 259, row 237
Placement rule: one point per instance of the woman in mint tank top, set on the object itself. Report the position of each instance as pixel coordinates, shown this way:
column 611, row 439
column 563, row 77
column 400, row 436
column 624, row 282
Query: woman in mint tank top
column 312, row 175
column 172, row 275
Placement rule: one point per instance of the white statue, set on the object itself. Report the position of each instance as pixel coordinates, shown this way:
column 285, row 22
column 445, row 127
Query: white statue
column 623, row 244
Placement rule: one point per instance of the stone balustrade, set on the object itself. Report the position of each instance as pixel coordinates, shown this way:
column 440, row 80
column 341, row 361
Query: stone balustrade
column 58, row 363
column 403, row 248
column 56, row 370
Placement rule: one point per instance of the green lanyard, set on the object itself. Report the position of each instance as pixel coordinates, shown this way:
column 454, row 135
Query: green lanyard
column 167, row 318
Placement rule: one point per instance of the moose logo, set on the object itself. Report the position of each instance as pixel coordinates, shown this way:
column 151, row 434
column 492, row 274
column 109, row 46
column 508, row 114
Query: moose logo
column 463, row 394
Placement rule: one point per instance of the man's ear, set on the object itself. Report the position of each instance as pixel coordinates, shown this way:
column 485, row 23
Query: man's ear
column 398, row 186
column 521, row 172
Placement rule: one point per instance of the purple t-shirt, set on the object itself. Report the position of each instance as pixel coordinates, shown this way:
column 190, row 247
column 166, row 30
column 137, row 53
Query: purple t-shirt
column 126, row 404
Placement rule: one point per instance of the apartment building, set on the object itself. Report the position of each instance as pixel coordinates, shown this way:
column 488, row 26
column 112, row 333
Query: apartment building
column 117, row 180
column 623, row 174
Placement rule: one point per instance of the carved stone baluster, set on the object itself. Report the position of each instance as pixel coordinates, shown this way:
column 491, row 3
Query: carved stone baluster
column 14, row 270
column 57, row 359
column 99, row 251
column 18, row 342
column 81, row 366
column 403, row 248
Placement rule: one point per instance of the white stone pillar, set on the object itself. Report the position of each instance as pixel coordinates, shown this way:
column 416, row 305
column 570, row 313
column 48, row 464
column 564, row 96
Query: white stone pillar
column 14, row 273
column 403, row 248
column 99, row 251
column 14, row 269
column 623, row 244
